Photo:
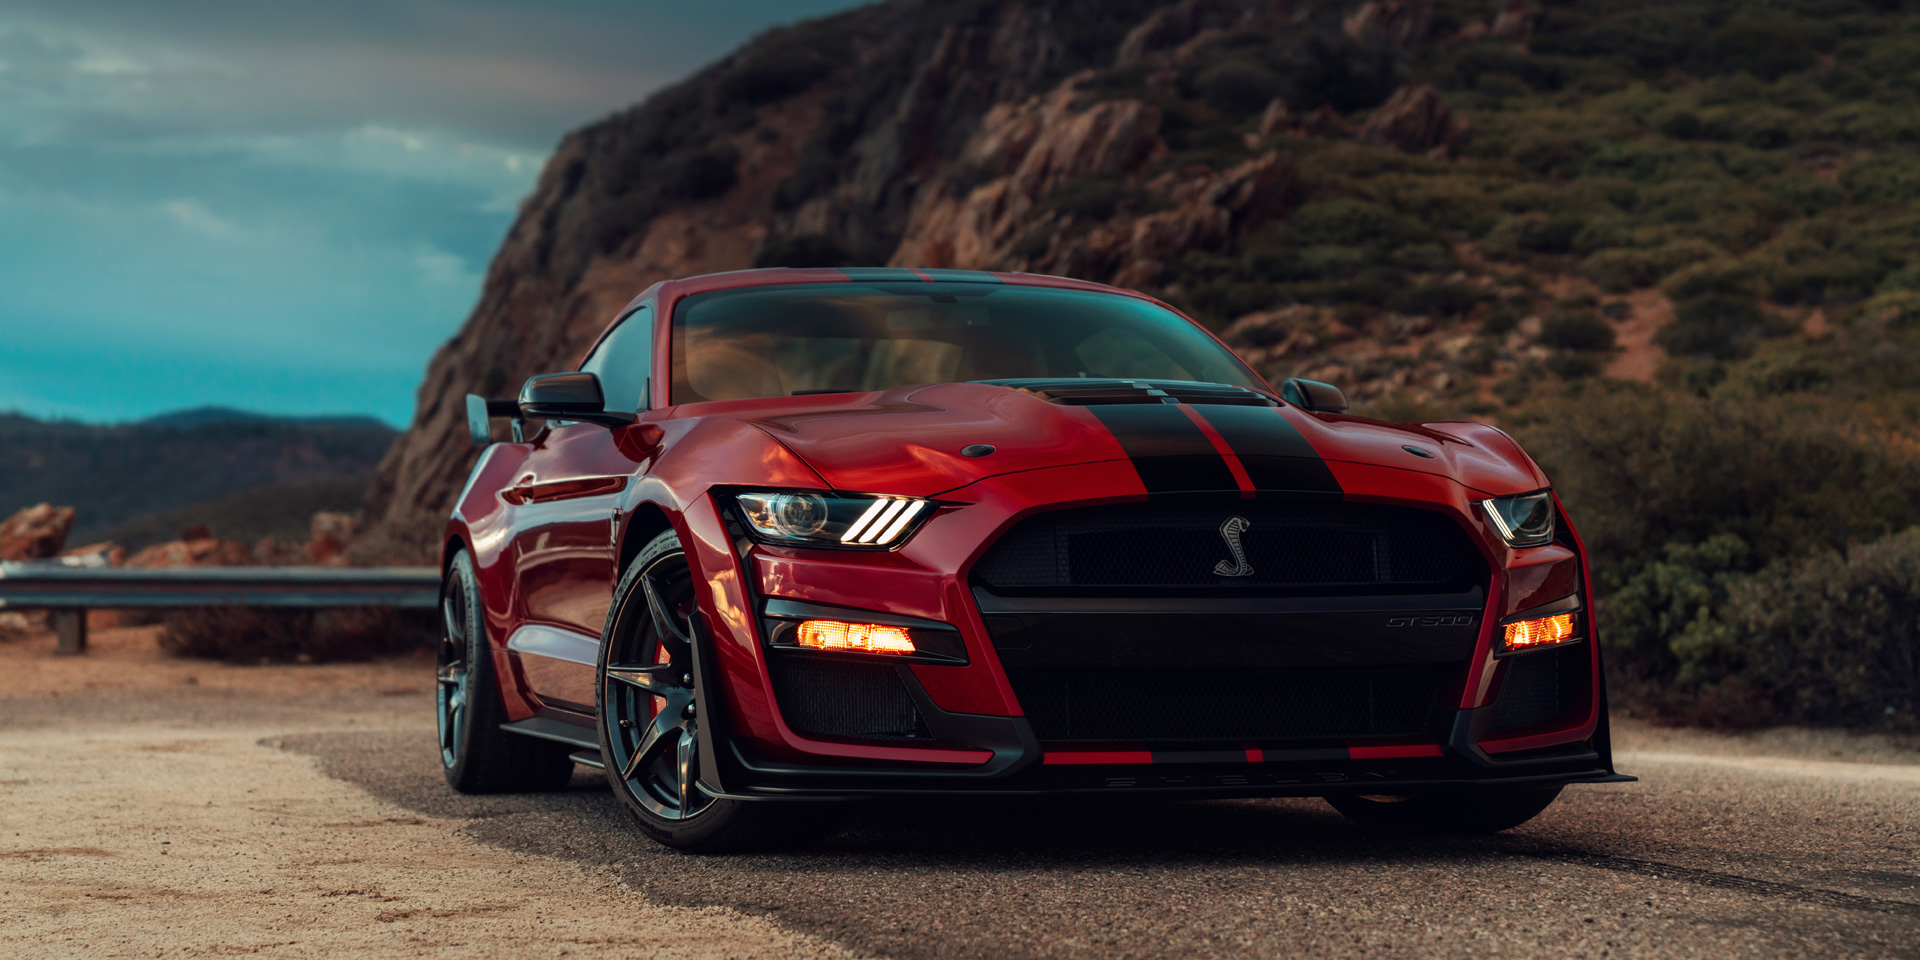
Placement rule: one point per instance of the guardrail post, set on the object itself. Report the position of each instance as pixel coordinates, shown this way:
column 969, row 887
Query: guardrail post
column 70, row 625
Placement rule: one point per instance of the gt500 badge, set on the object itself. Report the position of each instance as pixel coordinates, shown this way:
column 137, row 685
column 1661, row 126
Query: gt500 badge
column 1455, row 621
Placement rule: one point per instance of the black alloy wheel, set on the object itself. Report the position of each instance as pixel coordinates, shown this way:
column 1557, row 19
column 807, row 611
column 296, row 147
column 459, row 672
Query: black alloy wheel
column 648, row 713
column 650, row 724
column 478, row 756
column 450, row 669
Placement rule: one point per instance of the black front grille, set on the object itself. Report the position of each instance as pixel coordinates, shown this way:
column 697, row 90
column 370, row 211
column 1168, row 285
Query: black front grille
column 1241, row 705
column 1538, row 688
column 1320, row 548
column 845, row 699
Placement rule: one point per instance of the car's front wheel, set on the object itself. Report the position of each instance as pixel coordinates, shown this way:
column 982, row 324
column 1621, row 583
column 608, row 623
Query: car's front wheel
column 649, row 722
column 1460, row 812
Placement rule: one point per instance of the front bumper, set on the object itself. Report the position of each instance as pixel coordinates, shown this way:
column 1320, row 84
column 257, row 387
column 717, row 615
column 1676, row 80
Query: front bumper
column 977, row 738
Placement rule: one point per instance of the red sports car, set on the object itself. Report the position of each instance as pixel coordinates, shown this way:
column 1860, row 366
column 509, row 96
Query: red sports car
column 806, row 535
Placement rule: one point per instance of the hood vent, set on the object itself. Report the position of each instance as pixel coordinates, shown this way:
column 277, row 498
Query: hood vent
column 1080, row 393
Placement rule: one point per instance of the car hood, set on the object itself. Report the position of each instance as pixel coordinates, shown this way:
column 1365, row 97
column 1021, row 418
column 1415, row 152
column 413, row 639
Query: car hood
column 908, row 440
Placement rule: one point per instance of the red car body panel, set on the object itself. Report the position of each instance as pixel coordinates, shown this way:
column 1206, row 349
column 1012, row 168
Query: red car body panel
column 548, row 522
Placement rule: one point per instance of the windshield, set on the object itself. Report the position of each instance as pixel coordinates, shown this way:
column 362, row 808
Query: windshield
column 780, row 341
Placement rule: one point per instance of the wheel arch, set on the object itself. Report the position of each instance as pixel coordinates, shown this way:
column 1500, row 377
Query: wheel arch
column 645, row 521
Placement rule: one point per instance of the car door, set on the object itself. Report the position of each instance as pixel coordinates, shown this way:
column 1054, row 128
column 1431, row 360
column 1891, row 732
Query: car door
column 566, row 502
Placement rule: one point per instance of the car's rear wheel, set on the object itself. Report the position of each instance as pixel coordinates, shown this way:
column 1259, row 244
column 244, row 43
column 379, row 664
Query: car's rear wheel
column 649, row 723
column 1459, row 812
column 476, row 754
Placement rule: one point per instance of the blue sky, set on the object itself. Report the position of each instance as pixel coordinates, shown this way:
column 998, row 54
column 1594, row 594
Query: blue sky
column 287, row 206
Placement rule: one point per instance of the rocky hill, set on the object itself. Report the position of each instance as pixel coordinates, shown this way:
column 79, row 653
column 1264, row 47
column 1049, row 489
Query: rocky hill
column 1448, row 207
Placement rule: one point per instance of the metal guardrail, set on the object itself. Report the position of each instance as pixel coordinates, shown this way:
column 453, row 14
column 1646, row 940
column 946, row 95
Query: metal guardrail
column 71, row 591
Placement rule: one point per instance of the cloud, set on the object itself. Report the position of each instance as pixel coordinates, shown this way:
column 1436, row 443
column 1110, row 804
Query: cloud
column 288, row 206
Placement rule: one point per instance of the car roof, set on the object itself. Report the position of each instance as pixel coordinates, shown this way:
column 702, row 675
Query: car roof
column 668, row 291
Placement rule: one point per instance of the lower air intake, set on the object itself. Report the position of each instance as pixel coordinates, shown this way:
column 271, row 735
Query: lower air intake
column 1536, row 689
column 853, row 699
column 1298, row 704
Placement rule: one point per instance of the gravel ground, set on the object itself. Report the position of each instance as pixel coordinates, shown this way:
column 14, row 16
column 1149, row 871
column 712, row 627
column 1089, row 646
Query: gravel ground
column 1786, row 844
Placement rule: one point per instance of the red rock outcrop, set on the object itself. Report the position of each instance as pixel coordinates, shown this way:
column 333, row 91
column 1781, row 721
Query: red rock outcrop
column 204, row 552
column 1416, row 120
column 1019, row 135
column 329, row 536
column 36, row 532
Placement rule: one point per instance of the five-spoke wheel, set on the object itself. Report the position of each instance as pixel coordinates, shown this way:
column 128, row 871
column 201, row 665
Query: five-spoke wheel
column 648, row 708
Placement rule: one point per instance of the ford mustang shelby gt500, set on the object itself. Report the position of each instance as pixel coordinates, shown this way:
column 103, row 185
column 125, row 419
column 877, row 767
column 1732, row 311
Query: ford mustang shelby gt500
column 800, row 535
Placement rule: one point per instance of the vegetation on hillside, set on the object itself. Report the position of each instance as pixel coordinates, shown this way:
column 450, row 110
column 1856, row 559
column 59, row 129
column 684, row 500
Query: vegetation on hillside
column 116, row 475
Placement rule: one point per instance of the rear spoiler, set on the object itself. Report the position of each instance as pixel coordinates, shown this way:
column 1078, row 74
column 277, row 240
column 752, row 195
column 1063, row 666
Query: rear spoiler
column 481, row 411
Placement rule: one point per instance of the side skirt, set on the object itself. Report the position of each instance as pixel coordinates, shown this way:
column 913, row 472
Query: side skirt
column 547, row 728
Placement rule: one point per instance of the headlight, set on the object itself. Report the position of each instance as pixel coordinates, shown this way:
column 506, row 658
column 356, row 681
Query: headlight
column 1523, row 521
column 831, row 520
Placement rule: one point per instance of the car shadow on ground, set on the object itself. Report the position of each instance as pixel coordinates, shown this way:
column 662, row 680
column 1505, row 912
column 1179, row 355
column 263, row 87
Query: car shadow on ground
column 585, row 822
column 978, row 877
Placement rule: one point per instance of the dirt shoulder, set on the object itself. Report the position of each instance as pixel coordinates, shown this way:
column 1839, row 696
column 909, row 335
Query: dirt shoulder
column 203, row 837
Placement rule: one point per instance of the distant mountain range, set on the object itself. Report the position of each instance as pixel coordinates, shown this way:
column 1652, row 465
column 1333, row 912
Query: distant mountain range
column 119, row 476
column 202, row 416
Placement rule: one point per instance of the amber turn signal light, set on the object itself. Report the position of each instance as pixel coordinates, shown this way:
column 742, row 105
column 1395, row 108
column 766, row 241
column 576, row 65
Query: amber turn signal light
column 1543, row 632
column 854, row 637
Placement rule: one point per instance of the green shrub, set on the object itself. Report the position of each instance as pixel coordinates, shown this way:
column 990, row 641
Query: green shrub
column 1354, row 223
column 1443, row 299
column 1787, row 475
column 1718, row 325
column 1620, row 270
column 1683, row 585
column 1833, row 638
column 1238, row 86
column 1576, row 330
column 279, row 635
column 1574, row 365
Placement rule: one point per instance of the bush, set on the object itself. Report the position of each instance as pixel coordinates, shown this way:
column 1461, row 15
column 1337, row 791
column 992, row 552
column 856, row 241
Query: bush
column 1576, row 330
column 1238, row 87
column 1686, row 584
column 1716, row 325
column 1785, row 474
column 280, row 635
column 1535, row 233
column 1434, row 299
column 1834, row 638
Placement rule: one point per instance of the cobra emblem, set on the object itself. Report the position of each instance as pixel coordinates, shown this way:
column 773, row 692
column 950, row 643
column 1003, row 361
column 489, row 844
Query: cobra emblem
column 1230, row 531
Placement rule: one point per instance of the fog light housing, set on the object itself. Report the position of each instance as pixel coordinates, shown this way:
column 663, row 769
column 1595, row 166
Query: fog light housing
column 1539, row 632
column 852, row 637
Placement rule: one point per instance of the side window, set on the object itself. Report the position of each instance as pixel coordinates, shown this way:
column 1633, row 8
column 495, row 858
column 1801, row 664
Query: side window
column 623, row 360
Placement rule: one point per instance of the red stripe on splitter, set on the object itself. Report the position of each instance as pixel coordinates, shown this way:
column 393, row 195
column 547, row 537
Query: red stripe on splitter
column 1054, row 757
column 1396, row 751
column 922, row 274
column 1234, row 466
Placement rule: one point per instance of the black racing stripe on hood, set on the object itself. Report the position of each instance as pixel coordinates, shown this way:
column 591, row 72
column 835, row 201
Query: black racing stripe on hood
column 1272, row 450
column 1167, row 448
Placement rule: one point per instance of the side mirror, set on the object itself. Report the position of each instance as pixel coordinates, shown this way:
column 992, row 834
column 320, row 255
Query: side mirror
column 568, row 396
column 480, row 411
column 1314, row 395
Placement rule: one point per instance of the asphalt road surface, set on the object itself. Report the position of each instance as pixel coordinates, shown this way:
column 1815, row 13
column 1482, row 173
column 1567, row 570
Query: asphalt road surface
column 1728, row 847
column 1708, row 855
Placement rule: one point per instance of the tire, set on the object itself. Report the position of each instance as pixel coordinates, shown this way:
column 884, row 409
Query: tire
column 1465, row 812
column 649, row 731
column 478, row 756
